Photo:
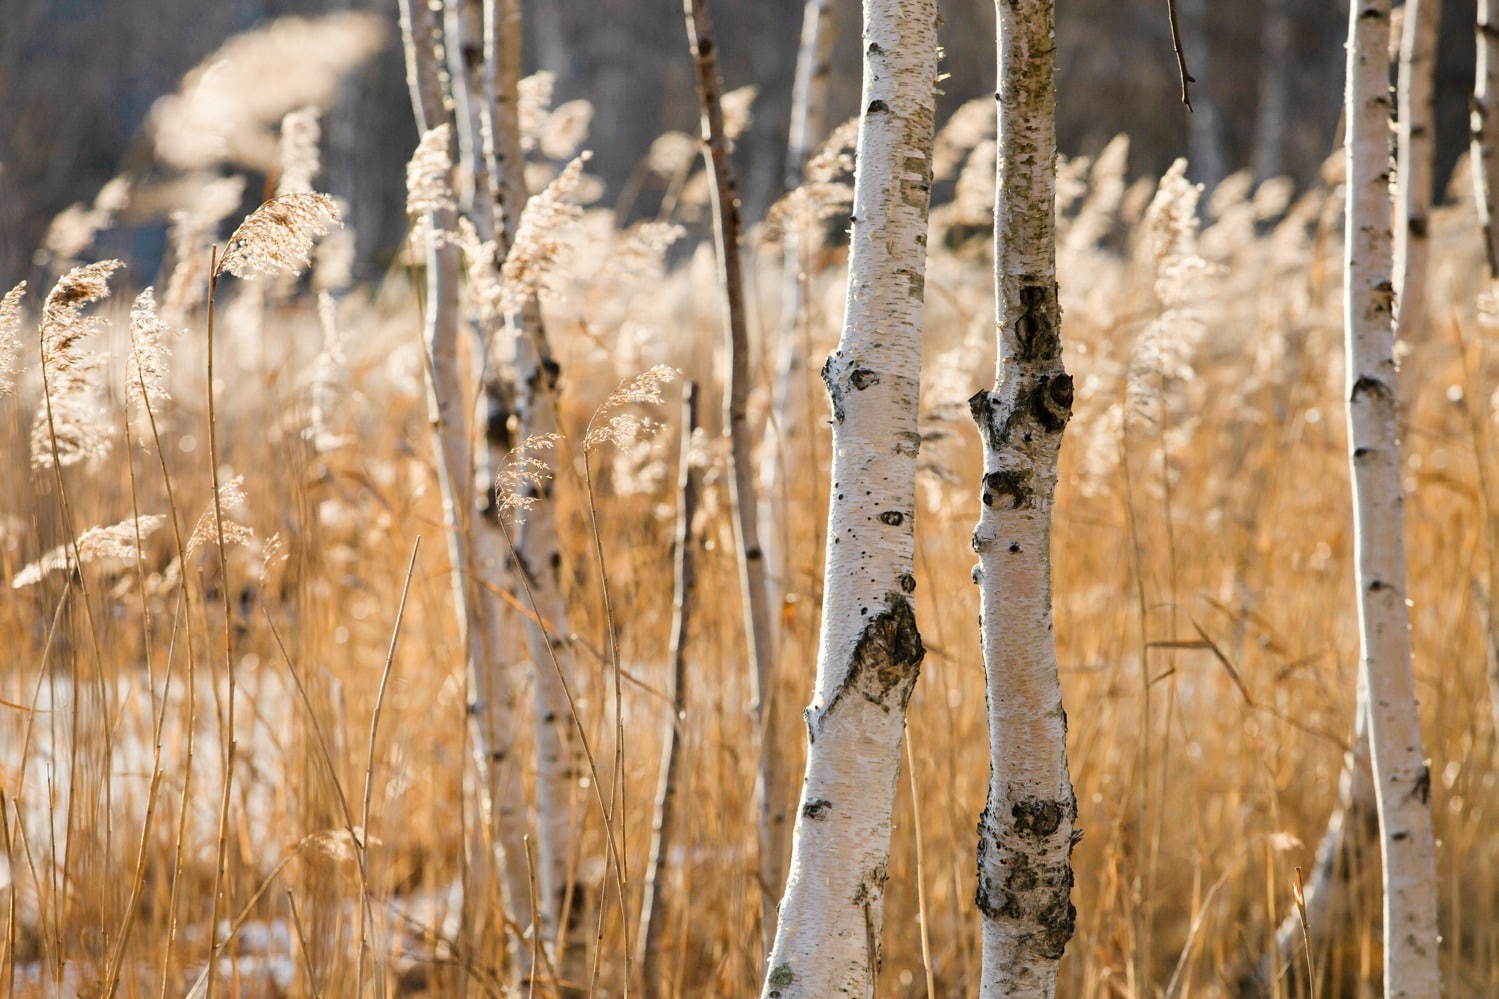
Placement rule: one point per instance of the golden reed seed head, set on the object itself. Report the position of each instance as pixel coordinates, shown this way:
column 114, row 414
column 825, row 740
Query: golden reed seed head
column 146, row 385
column 429, row 174
column 300, row 135
column 10, row 337
column 277, row 237
column 119, row 542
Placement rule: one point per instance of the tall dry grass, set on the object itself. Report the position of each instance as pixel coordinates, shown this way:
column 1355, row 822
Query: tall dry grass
column 1205, row 614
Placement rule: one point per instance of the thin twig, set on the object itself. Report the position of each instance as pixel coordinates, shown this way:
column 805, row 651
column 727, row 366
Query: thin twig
column 1181, row 57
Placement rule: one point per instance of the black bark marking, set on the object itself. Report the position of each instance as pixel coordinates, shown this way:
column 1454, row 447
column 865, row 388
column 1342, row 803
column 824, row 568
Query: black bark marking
column 817, row 808
column 1423, row 785
column 1367, row 383
column 892, row 517
column 1035, row 328
column 1012, row 484
column 876, row 106
column 1014, row 886
column 907, row 583
column 863, row 378
column 1037, row 818
column 885, row 661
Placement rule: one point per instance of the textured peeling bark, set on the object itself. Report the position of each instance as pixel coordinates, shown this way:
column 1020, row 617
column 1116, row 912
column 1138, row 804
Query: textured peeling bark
column 1271, row 113
column 651, row 922
column 445, row 382
column 1484, row 120
column 827, row 942
column 770, row 797
column 1026, row 832
column 1345, row 862
column 1401, row 779
column 787, row 434
column 537, row 552
column 1204, row 123
column 492, row 696
column 1413, row 160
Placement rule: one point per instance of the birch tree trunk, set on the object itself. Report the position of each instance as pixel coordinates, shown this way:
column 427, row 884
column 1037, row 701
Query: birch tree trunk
column 1026, row 830
column 494, row 697
column 445, row 403
column 1271, row 112
column 1342, row 866
column 752, row 584
column 445, row 394
column 537, row 554
column 1401, row 779
column 1413, row 156
column 1204, row 123
column 827, row 943
column 651, row 921
column 787, row 433
column 1484, row 121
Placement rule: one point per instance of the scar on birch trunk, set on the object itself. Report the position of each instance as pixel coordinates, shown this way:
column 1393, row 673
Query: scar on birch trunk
column 842, row 376
column 884, row 664
column 1019, row 887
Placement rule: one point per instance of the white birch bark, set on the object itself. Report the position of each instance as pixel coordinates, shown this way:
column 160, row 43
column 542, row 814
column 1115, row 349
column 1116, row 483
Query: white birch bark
column 650, row 954
column 1413, row 160
column 787, row 434
column 1204, row 123
column 827, row 943
column 1272, row 110
column 1401, row 779
column 754, row 595
column 445, row 389
column 1484, row 121
column 493, row 699
column 537, row 553
column 1344, row 861
column 1026, row 831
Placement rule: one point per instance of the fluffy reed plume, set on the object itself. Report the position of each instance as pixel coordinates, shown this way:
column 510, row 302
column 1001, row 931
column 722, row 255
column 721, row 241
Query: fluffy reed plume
column 231, row 497
column 277, row 238
column 533, row 96
column 835, row 157
column 429, row 182
column 115, row 542
column 193, row 230
column 227, row 109
column 73, row 230
column 1100, row 209
column 1072, row 181
column 973, row 195
column 738, row 111
column 70, row 419
column 640, row 255
column 610, row 423
column 146, row 384
column 672, row 153
column 327, row 376
column 545, row 228
column 10, row 337
column 1163, row 354
column 300, row 135
column 518, row 482
column 565, row 129
column 824, row 194
column 803, row 208
column 971, row 124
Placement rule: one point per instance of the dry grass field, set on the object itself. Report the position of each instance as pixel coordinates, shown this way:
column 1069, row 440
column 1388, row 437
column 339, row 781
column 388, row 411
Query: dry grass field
column 1205, row 615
